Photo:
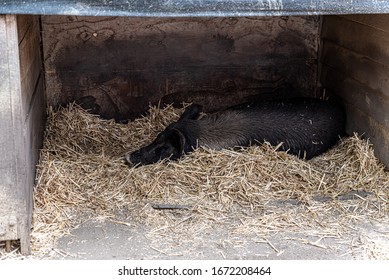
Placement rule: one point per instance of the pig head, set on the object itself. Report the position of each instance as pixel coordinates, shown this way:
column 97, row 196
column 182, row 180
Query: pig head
column 175, row 141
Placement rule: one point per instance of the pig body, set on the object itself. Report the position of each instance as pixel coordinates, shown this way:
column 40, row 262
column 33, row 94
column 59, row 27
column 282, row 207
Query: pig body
column 306, row 127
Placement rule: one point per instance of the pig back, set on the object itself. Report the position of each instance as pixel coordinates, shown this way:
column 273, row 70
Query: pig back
column 306, row 126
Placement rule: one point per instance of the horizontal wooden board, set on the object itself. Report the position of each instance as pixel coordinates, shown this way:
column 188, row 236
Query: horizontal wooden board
column 365, row 40
column 127, row 63
column 372, row 102
column 376, row 21
column 356, row 66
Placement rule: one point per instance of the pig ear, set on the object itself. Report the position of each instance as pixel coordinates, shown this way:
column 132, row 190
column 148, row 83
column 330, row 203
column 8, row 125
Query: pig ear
column 178, row 141
column 192, row 112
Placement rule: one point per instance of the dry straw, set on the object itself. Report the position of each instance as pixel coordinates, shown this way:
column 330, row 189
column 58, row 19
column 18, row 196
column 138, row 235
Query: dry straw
column 253, row 190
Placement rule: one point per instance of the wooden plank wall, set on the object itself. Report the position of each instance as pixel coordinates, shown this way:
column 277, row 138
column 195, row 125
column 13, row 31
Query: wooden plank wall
column 33, row 104
column 22, row 116
column 354, row 63
column 126, row 63
column 11, row 199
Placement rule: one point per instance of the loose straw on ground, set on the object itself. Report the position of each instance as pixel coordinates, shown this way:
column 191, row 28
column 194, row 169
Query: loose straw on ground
column 254, row 190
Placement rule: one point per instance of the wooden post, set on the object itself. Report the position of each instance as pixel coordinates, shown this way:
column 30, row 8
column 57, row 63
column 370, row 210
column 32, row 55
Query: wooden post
column 22, row 114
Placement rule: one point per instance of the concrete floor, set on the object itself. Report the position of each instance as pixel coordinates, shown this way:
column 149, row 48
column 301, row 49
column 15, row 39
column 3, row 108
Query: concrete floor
column 110, row 240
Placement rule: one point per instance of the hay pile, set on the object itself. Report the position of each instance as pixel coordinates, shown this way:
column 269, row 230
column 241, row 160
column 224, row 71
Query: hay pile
column 255, row 190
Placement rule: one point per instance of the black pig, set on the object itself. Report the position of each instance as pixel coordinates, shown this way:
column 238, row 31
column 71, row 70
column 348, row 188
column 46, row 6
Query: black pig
column 306, row 127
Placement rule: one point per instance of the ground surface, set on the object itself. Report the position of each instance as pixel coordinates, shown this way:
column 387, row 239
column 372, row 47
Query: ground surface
column 112, row 240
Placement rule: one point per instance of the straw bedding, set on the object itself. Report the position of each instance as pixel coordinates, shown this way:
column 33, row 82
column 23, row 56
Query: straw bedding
column 254, row 190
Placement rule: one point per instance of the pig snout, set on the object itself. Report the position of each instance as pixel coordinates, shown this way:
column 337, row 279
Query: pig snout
column 128, row 159
column 169, row 144
column 133, row 159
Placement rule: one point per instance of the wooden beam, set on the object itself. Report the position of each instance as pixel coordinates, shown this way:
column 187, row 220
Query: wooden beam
column 21, row 123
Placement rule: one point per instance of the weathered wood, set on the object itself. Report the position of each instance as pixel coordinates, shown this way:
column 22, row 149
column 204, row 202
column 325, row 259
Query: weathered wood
column 33, row 111
column 25, row 22
column 373, row 102
column 12, row 200
column 366, row 40
column 367, row 126
column 355, row 66
column 30, row 60
column 366, row 109
column 127, row 63
column 21, row 123
column 376, row 21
